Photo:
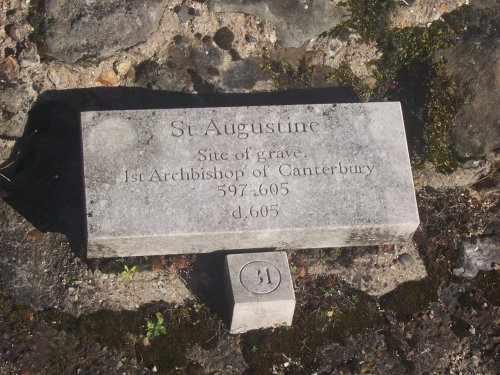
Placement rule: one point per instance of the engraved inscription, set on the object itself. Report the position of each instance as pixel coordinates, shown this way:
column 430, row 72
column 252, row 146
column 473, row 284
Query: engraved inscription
column 252, row 182
column 241, row 130
column 260, row 277
column 271, row 177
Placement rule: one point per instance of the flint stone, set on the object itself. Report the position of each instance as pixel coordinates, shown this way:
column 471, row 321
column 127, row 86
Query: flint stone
column 197, row 180
column 259, row 290
column 72, row 30
column 479, row 254
column 185, row 13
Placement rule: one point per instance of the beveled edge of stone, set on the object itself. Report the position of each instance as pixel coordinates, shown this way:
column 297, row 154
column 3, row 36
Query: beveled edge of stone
column 284, row 305
column 299, row 238
column 408, row 164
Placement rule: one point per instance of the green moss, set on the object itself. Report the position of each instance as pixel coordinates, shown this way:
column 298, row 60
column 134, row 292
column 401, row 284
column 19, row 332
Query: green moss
column 286, row 76
column 369, row 17
column 411, row 49
column 406, row 72
column 441, row 106
column 416, row 43
column 343, row 76
column 416, row 161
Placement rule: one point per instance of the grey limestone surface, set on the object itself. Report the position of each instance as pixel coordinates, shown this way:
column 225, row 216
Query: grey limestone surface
column 295, row 21
column 197, row 180
column 72, row 30
column 259, row 290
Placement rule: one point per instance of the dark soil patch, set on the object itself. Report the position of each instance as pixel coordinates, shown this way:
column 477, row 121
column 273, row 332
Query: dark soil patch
column 185, row 325
column 411, row 297
column 327, row 311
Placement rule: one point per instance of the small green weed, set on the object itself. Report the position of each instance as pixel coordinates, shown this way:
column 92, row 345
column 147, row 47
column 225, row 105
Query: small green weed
column 198, row 306
column 155, row 329
column 128, row 273
column 327, row 292
column 293, row 267
column 304, row 343
column 254, row 349
column 355, row 300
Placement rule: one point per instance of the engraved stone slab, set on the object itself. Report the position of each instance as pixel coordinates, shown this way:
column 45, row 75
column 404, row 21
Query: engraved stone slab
column 259, row 290
column 292, row 176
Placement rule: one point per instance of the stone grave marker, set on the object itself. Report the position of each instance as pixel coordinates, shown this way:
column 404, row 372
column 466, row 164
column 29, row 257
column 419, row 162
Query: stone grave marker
column 196, row 180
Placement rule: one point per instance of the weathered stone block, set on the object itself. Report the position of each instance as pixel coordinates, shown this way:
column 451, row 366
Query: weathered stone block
column 295, row 21
column 72, row 30
column 259, row 290
column 293, row 176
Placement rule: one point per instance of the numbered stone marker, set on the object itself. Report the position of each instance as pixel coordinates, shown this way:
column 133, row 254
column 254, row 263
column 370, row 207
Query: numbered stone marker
column 294, row 176
column 259, row 291
column 260, row 277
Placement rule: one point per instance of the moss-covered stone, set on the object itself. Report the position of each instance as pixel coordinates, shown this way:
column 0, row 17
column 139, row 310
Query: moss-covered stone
column 406, row 72
column 440, row 108
column 368, row 17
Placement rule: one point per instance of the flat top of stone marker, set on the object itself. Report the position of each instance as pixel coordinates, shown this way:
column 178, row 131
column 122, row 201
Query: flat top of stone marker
column 198, row 170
